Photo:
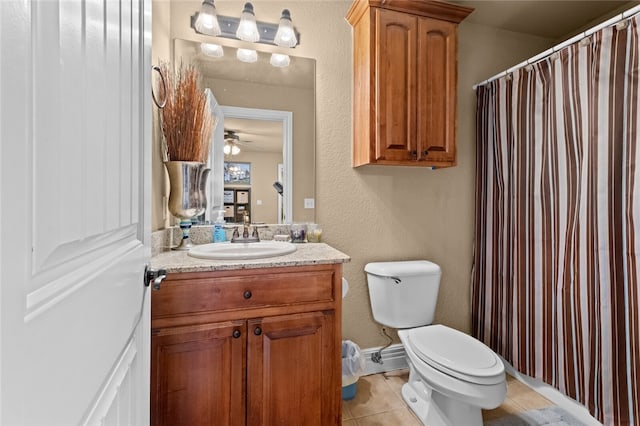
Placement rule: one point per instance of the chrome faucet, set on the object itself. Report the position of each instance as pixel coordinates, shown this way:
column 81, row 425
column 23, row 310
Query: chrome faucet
column 246, row 226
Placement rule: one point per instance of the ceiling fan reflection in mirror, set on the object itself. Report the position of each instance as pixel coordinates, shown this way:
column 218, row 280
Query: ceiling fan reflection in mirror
column 232, row 142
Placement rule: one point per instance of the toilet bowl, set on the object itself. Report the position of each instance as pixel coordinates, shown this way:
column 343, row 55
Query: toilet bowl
column 452, row 376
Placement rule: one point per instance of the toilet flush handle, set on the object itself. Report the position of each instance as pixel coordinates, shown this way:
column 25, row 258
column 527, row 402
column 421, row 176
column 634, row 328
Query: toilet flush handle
column 388, row 277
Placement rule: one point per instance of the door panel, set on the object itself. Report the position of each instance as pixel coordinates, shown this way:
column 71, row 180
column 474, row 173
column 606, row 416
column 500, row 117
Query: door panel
column 288, row 367
column 74, row 130
column 198, row 375
column 395, row 85
column 436, row 90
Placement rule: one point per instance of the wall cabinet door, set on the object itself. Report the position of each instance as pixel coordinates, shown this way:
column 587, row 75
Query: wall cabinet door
column 395, row 92
column 436, row 100
column 198, row 375
column 290, row 370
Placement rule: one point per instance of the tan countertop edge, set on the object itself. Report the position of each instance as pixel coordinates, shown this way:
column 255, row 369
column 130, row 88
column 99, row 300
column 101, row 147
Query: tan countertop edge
column 306, row 254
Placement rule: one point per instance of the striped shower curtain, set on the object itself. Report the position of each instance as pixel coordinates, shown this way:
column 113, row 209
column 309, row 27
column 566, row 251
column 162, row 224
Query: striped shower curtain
column 555, row 282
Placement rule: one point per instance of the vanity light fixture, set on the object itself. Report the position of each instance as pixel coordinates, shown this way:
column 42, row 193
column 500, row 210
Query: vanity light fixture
column 285, row 36
column 245, row 28
column 213, row 50
column 247, row 55
column 248, row 29
column 279, row 60
column 207, row 20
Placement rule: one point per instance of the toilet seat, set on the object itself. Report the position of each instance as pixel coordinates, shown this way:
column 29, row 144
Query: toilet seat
column 456, row 354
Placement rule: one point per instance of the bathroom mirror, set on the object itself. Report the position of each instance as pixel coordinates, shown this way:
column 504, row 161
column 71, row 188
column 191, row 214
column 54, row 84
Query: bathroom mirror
column 259, row 91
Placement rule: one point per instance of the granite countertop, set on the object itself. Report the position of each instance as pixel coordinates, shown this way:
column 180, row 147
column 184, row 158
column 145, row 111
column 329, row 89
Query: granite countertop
column 306, row 254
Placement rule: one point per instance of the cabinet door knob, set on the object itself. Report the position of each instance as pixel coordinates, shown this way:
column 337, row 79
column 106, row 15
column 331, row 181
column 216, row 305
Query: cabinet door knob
column 247, row 294
column 425, row 152
column 414, row 155
column 257, row 331
column 236, row 334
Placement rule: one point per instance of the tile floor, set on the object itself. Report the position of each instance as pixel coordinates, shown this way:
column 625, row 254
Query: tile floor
column 379, row 402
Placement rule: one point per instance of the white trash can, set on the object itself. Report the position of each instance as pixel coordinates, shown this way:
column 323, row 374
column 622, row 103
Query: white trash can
column 352, row 368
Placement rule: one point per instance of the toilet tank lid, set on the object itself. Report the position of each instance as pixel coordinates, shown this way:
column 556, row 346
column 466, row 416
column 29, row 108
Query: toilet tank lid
column 406, row 268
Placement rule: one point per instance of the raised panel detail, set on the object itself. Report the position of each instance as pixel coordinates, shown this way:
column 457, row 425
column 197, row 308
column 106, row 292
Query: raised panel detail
column 113, row 404
column 92, row 169
column 77, row 264
column 436, row 88
column 198, row 375
column 395, row 84
column 289, row 377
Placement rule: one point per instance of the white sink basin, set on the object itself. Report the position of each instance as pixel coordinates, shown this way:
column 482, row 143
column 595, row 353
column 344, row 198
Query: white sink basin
column 233, row 251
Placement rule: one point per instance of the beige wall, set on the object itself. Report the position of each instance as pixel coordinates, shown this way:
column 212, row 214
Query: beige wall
column 378, row 213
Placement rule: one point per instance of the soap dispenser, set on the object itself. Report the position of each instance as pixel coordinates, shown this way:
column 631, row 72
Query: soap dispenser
column 219, row 234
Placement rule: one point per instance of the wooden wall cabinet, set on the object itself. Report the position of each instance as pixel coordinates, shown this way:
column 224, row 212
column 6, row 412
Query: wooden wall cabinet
column 248, row 347
column 404, row 98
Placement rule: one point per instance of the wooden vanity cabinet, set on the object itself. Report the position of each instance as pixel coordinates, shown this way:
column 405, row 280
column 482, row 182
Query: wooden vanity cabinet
column 404, row 98
column 248, row 347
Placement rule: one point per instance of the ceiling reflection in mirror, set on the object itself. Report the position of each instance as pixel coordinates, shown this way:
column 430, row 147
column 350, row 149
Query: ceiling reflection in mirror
column 261, row 85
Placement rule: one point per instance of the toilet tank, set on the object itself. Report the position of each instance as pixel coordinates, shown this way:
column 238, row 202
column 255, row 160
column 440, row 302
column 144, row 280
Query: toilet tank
column 403, row 294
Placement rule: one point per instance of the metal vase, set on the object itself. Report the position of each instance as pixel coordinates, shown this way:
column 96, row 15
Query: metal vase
column 185, row 199
column 200, row 219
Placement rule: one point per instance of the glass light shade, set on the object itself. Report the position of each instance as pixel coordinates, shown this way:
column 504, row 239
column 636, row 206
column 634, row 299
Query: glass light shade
column 207, row 20
column 279, row 60
column 247, row 29
column 232, row 149
column 247, row 55
column 210, row 49
column 285, row 36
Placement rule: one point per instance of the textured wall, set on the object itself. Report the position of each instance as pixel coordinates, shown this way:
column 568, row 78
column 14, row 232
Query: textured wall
column 377, row 213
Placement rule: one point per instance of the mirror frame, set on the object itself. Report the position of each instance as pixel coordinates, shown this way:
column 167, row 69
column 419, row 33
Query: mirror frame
column 286, row 118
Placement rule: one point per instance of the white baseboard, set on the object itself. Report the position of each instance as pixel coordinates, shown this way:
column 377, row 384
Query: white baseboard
column 393, row 358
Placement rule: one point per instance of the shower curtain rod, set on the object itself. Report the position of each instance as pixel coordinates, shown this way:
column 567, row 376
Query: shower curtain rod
column 624, row 15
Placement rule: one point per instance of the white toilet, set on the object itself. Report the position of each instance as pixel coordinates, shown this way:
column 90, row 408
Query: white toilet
column 452, row 376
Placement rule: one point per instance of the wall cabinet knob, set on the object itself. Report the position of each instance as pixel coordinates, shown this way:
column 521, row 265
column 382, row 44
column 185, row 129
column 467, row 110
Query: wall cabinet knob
column 236, row 334
column 257, row 331
column 247, row 294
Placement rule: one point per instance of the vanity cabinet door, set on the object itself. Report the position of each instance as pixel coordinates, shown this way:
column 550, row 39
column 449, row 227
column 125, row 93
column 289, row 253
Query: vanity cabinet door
column 198, row 375
column 293, row 366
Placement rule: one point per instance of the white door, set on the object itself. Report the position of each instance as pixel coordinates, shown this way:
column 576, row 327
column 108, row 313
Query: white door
column 216, row 161
column 74, row 228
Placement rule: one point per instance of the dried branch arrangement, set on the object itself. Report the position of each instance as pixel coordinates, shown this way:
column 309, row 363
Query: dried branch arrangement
column 187, row 122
